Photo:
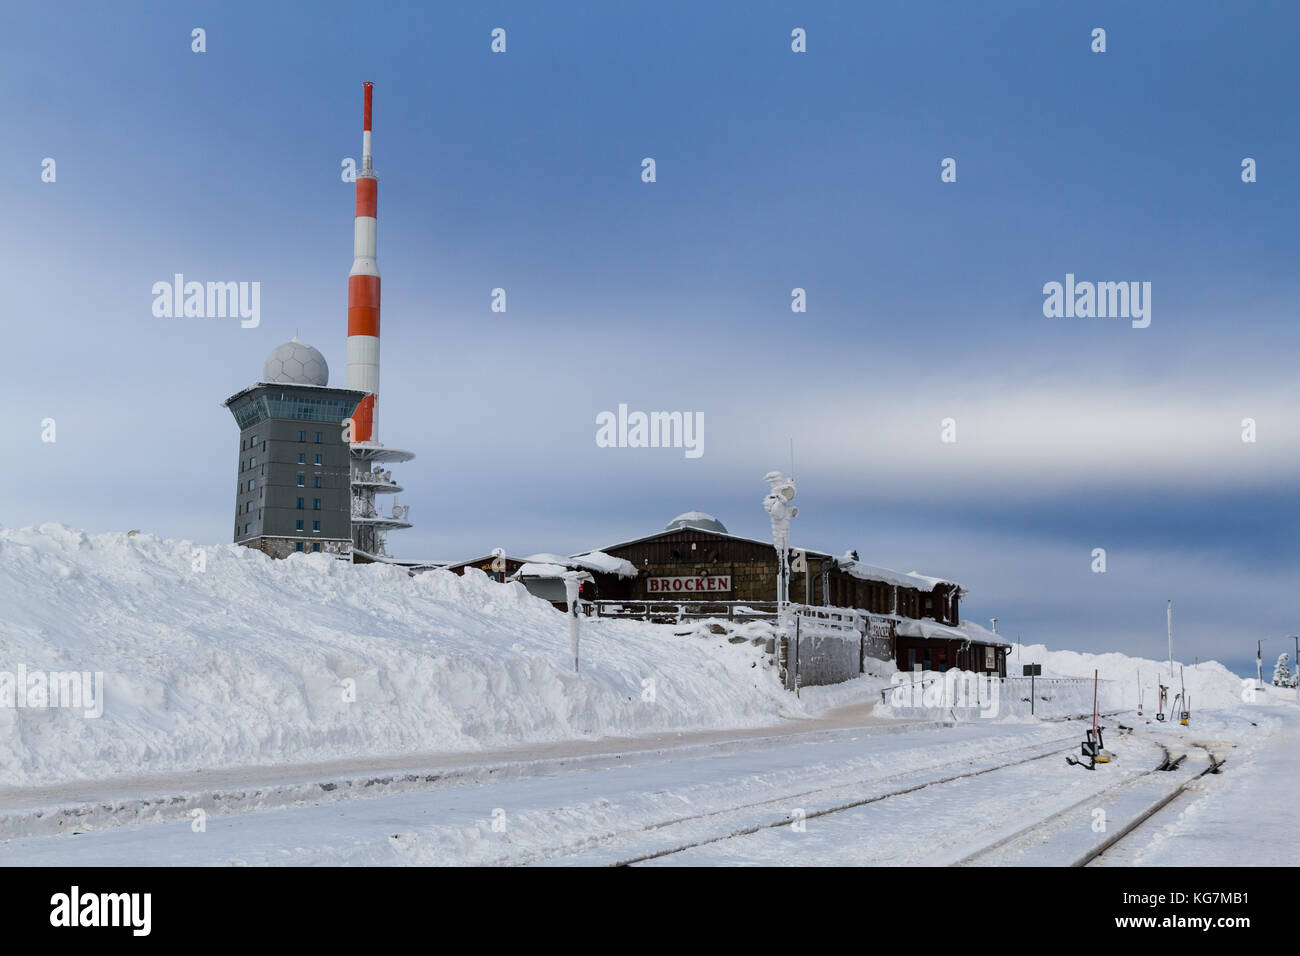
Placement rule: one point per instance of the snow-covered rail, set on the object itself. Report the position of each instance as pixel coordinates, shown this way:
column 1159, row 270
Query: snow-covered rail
column 1130, row 794
column 1216, row 763
column 771, row 823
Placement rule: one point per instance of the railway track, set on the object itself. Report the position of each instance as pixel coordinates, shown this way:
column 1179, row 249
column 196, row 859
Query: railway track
column 1031, row 834
column 784, row 820
column 1216, row 764
column 1028, row 835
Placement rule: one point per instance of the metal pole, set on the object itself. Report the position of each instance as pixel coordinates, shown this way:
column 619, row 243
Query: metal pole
column 1295, row 666
column 1169, row 615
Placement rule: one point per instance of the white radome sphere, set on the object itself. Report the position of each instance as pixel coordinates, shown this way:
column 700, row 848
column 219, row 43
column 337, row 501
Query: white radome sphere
column 295, row 363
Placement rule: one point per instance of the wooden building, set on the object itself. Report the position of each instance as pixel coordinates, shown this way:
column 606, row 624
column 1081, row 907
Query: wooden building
column 695, row 559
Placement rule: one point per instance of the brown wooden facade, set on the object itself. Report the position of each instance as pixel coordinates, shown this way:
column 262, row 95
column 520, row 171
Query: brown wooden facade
column 937, row 654
column 752, row 568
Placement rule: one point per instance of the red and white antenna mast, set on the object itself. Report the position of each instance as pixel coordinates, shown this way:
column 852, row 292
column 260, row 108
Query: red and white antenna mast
column 363, row 293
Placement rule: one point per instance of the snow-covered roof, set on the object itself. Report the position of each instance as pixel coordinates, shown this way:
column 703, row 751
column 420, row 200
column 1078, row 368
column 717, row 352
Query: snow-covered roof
column 932, row 630
column 604, row 563
column 535, row 569
column 720, row 534
column 540, row 569
column 870, row 572
column 597, row 561
column 982, row 634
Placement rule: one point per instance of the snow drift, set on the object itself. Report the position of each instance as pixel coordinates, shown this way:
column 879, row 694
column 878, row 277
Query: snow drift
column 221, row 657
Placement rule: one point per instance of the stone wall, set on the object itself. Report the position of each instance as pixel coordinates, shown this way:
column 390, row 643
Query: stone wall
column 822, row 657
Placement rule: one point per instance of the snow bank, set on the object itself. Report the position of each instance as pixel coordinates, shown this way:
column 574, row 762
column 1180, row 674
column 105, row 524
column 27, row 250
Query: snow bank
column 222, row 657
column 1210, row 685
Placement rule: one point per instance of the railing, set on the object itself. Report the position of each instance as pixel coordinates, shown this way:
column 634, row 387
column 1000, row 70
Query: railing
column 373, row 478
column 1009, row 682
column 838, row 620
column 674, row 611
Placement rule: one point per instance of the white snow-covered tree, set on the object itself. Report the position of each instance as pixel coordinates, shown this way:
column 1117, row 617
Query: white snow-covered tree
column 1282, row 671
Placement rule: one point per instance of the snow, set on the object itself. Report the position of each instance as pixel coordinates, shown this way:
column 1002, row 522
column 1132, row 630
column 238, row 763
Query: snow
column 604, row 563
column 692, row 516
column 1210, row 685
column 546, row 563
column 251, row 661
column 242, row 684
column 534, row 569
column 928, row 630
column 1246, row 816
column 871, row 572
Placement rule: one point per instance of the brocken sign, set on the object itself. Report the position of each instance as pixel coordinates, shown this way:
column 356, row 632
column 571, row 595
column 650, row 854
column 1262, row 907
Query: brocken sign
column 720, row 582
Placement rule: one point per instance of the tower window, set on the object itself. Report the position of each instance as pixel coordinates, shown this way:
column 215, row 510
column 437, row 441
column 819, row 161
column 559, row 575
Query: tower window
column 297, row 525
column 316, row 459
column 300, row 504
column 250, row 484
column 302, row 459
column 302, row 436
column 302, row 480
column 315, row 504
column 252, row 463
column 318, row 438
column 316, row 481
column 315, row 526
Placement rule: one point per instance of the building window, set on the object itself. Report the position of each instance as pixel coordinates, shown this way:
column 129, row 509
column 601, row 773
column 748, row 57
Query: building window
column 315, row 545
column 318, row 438
column 302, row 459
column 246, row 527
column 315, row 504
column 250, row 484
column 297, row 525
column 315, row 526
column 300, row 504
column 252, row 463
column 252, row 441
column 316, row 459
column 302, row 480
column 302, row 436
column 315, row 482
column 298, row 546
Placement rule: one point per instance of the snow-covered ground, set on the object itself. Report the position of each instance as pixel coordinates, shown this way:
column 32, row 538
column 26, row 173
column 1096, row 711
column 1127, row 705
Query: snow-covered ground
column 319, row 712
column 220, row 657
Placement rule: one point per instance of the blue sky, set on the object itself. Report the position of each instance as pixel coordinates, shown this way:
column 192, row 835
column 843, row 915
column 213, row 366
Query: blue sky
column 775, row 170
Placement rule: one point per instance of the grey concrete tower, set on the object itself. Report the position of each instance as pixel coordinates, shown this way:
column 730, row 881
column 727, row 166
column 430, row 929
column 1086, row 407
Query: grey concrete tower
column 294, row 483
